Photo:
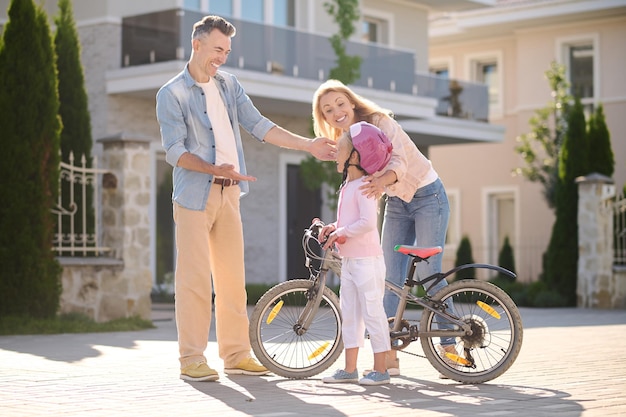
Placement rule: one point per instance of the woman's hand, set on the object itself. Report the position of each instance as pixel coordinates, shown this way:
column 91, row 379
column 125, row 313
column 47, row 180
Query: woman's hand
column 374, row 187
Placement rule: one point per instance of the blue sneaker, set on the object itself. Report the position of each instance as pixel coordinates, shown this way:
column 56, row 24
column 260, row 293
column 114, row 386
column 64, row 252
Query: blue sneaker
column 375, row 378
column 342, row 377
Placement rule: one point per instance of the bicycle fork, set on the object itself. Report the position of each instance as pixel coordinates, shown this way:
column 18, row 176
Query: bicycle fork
column 314, row 298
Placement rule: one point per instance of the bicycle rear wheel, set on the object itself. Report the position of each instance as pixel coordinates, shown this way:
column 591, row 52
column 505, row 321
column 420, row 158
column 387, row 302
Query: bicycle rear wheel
column 496, row 337
column 274, row 337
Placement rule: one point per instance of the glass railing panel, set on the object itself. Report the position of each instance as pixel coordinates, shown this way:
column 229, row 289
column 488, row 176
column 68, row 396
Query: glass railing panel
column 165, row 36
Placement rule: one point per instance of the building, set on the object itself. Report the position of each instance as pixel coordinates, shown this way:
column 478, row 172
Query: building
column 280, row 54
column 509, row 47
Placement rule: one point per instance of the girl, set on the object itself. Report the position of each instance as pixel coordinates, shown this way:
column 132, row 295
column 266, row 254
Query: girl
column 363, row 151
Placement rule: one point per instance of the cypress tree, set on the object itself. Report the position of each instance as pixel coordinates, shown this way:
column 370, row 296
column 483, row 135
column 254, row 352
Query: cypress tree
column 74, row 112
column 506, row 259
column 561, row 262
column 29, row 276
column 464, row 256
column 601, row 158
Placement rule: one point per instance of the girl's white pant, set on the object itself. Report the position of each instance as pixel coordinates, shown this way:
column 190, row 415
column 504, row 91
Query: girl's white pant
column 361, row 299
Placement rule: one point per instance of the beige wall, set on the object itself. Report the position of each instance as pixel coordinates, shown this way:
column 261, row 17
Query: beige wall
column 472, row 169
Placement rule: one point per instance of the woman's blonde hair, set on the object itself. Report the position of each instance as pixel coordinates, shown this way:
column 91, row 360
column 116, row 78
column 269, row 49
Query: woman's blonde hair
column 364, row 109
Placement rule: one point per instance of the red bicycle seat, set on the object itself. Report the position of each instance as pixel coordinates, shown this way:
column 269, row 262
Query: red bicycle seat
column 417, row 251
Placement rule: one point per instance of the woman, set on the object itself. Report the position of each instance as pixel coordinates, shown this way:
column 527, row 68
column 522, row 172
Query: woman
column 417, row 209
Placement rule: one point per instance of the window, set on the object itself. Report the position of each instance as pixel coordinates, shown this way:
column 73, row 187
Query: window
column 376, row 27
column 252, row 10
column 441, row 72
column 500, row 221
column 192, row 4
column 487, row 73
column 284, row 13
column 579, row 56
column 487, row 69
column 369, row 31
column 581, row 70
column 221, row 7
column 441, row 67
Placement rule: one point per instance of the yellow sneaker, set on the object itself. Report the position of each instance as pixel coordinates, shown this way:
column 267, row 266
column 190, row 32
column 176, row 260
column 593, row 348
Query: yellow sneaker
column 247, row 367
column 198, row 371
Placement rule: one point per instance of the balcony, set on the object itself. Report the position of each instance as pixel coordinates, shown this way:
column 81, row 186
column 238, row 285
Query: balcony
column 165, row 36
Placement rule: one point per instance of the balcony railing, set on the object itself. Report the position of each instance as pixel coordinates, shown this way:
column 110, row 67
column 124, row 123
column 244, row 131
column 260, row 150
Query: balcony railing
column 165, row 36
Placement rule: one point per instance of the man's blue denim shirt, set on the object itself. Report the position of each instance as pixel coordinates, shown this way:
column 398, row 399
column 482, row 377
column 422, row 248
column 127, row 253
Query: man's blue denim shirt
column 185, row 127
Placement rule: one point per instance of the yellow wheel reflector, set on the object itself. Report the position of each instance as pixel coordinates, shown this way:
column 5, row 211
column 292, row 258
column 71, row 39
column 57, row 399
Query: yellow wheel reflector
column 274, row 312
column 458, row 359
column 488, row 309
column 319, row 350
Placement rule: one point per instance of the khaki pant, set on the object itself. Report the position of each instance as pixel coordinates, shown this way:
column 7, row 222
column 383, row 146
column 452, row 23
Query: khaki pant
column 211, row 242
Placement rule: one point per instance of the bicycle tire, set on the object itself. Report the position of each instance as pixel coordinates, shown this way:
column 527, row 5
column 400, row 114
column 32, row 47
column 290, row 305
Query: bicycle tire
column 274, row 339
column 495, row 342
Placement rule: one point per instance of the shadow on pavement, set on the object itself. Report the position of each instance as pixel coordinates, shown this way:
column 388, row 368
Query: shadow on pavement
column 257, row 396
column 458, row 400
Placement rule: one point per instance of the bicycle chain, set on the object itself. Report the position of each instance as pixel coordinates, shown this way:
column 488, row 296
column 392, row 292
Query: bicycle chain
column 411, row 353
column 414, row 354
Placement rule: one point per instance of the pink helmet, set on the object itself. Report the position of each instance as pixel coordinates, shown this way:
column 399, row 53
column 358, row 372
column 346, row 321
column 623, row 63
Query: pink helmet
column 373, row 146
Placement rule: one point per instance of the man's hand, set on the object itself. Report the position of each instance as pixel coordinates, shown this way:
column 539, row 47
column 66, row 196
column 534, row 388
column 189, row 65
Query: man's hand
column 323, row 149
column 228, row 171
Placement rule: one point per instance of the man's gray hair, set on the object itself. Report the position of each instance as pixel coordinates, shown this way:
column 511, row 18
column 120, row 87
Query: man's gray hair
column 208, row 23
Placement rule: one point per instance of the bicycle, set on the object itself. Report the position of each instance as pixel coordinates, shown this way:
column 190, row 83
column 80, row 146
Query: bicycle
column 295, row 327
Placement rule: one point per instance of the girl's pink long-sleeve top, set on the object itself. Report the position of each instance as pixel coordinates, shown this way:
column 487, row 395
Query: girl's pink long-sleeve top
column 357, row 220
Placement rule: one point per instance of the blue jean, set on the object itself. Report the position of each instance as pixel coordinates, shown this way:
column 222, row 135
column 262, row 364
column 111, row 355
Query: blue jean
column 422, row 222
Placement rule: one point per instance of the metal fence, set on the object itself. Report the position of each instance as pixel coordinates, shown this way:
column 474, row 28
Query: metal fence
column 78, row 210
column 619, row 230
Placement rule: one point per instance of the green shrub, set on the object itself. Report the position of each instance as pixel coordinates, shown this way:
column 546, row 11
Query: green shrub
column 464, row 256
column 506, row 259
column 256, row 291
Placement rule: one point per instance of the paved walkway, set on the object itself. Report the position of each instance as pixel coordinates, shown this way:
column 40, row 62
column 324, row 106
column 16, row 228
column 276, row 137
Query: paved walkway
column 572, row 363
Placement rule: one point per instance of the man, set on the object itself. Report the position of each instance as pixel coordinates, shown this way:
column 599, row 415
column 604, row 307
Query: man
column 199, row 113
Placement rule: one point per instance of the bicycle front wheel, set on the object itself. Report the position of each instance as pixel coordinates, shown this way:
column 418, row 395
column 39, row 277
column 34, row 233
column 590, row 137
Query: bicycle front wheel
column 281, row 345
column 496, row 337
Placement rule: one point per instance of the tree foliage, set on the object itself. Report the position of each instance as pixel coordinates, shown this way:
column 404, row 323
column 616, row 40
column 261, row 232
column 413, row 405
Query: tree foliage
column 506, row 259
column 561, row 260
column 29, row 163
column 76, row 133
column 347, row 70
column 464, row 256
column 344, row 13
column 601, row 159
column 540, row 147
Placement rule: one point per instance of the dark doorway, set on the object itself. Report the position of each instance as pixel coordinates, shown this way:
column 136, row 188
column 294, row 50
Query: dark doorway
column 302, row 206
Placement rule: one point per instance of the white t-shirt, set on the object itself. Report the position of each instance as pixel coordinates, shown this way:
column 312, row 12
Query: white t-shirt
column 225, row 146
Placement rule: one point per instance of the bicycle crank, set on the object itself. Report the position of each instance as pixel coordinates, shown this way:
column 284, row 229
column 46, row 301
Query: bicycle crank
column 402, row 338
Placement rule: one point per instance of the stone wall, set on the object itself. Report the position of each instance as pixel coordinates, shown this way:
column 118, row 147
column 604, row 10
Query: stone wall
column 600, row 284
column 106, row 288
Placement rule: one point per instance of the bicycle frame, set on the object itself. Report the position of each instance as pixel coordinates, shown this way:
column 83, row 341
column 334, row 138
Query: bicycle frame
column 479, row 325
column 332, row 261
column 436, row 307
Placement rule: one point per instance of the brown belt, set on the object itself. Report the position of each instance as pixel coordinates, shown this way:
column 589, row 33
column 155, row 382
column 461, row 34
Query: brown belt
column 225, row 182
